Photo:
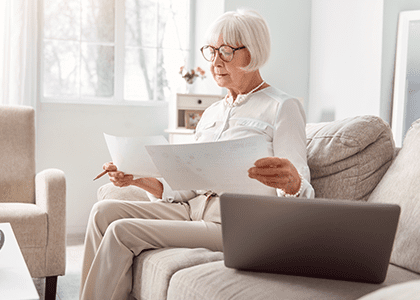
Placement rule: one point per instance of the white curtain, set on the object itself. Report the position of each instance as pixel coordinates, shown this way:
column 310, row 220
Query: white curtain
column 18, row 52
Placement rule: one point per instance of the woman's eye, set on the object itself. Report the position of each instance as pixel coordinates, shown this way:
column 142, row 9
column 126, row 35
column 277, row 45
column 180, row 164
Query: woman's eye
column 226, row 53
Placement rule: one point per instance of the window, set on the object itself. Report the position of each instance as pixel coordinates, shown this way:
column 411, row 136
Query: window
column 113, row 50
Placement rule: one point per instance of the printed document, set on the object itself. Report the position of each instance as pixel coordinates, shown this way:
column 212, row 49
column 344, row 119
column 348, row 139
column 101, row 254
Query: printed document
column 218, row 166
column 130, row 156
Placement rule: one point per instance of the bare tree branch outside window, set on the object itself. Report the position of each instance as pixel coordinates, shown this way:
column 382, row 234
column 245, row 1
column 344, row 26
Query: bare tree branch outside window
column 79, row 48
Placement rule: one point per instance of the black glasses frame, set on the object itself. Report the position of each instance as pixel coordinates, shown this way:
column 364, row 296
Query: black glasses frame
column 221, row 56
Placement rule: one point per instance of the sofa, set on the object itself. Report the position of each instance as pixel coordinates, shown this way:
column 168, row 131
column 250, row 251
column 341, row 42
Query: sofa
column 351, row 159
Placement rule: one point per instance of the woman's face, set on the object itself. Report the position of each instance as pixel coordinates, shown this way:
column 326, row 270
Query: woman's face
column 230, row 75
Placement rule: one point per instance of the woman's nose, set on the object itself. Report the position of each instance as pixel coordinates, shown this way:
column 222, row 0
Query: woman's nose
column 217, row 61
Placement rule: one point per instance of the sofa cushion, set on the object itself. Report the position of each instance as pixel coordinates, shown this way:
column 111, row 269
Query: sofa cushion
column 153, row 269
column 401, row 185
column 402, row 291
column 130, row 193
column 348, row 158
column 215, row 281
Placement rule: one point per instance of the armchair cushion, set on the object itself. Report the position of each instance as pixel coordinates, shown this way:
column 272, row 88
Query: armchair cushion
column 29, row 223
column 348, row 158
column 401, row 185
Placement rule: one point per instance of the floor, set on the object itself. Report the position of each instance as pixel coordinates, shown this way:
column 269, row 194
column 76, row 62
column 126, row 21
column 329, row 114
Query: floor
column 68, row 285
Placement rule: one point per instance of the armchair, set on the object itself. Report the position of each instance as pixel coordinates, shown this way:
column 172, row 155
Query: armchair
column 34, row 204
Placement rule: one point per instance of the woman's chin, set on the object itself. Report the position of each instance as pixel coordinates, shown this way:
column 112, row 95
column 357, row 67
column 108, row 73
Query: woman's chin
column 221, row 80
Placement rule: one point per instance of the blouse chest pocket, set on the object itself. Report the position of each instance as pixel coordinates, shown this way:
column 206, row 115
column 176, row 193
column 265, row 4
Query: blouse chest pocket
column 205, row 130
column 253, row 124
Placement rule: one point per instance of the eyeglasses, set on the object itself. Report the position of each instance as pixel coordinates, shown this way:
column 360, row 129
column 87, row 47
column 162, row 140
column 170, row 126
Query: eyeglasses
column 225, row 52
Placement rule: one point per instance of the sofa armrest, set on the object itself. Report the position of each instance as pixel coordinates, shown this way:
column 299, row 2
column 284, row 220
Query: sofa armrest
column 50, row 187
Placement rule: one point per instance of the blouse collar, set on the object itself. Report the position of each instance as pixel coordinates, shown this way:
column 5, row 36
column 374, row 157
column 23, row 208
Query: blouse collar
column 241, row 97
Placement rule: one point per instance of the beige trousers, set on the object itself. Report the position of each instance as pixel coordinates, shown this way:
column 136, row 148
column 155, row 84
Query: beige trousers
column 119, row 230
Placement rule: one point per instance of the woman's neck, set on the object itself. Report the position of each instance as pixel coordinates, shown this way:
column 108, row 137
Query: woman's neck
column 247, row 85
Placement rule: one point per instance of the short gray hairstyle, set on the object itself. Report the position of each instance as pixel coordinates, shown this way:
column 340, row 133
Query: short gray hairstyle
column 245, row 27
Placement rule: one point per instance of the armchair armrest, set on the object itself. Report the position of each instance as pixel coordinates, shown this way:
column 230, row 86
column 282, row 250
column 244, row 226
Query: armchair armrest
column 50, row 189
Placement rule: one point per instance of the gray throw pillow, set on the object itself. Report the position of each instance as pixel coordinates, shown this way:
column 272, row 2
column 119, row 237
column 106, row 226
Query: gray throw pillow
column 347, row 158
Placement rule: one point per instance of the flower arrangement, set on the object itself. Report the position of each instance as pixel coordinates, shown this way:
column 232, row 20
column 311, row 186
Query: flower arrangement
column 190, row 76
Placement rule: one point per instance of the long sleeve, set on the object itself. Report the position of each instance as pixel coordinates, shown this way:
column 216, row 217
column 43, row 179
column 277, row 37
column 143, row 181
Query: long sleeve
column 170, row 195
column 289, row 141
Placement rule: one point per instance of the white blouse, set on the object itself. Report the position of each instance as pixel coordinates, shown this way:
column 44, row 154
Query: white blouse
column 275, row 115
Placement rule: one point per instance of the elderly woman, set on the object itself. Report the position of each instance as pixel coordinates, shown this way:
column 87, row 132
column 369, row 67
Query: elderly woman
column 238, row 45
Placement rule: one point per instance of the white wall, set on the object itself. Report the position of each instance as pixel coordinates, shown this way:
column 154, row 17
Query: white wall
column 206, row 13
column 70, row 138
column 289, row 23
column 345, row 70
column 353, row 57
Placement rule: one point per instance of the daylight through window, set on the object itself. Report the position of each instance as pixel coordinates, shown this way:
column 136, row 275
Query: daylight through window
column 114, row 50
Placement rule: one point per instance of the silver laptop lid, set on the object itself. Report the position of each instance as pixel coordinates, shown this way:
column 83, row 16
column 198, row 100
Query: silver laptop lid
column 347, row 240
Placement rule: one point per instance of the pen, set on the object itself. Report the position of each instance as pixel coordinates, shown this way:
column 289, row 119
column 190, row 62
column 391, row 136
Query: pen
column 100, row 175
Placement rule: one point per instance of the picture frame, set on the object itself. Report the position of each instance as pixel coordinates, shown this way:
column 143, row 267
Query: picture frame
column 192, row 117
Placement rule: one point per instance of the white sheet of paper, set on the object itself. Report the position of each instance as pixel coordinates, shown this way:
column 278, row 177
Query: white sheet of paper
column 130, row 156
column 217, row 166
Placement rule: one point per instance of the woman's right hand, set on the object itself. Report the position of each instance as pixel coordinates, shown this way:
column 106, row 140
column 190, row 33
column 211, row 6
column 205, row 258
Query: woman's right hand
column 118, row 178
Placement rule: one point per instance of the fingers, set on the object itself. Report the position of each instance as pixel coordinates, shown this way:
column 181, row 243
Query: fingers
column 288, row 183
column 120, row 179
column 270, row 166
column 274, row 179
column 274, row 182
column 271, row 176
column 277, row 173
column 116, row 174
column 268, row 171
column 271, row 162
column 109, row 166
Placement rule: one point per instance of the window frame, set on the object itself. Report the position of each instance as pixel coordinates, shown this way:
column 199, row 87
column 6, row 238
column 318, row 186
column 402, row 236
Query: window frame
column 119, row 63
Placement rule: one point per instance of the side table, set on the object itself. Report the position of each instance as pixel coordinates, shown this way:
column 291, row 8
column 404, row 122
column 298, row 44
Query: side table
column 15, row 279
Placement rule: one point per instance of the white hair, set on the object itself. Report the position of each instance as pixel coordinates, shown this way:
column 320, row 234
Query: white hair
column 243, row 27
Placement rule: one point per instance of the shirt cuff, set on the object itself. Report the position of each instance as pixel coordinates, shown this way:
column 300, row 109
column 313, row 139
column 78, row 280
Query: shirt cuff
column 168, row 194
column 307, row 190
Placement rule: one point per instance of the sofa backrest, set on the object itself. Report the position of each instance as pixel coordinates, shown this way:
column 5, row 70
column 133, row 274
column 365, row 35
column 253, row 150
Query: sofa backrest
column 17, row 149
column 347, row 158
column 401, row 186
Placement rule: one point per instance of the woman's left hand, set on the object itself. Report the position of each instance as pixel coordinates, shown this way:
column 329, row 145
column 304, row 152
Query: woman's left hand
column 277, row 173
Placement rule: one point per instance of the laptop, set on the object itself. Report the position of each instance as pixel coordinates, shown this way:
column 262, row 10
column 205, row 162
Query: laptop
column 344, row 240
